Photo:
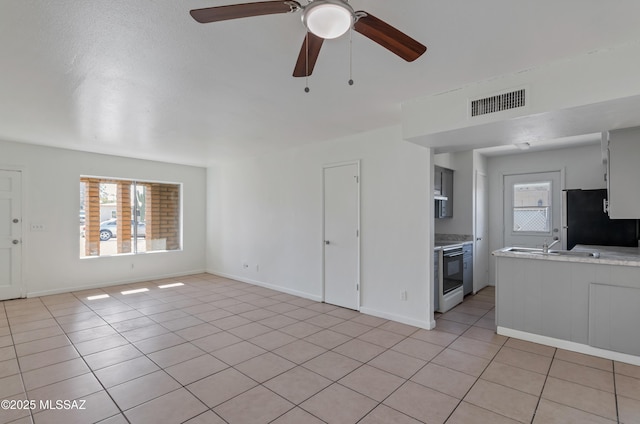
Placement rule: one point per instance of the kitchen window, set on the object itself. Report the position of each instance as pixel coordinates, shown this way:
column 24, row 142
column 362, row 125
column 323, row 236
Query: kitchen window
column 532, row 207
column 128, row 216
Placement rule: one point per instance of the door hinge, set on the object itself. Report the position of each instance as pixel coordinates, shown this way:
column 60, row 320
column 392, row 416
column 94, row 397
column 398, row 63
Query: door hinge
column 357, row 233
column 357, row 287
column 357, row 179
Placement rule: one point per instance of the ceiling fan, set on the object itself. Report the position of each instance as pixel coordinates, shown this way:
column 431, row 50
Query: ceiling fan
column 324, row 19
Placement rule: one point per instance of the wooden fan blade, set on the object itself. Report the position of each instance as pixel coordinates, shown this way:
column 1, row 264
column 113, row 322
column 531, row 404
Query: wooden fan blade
column 245, row 10
column 389, row 37
column 311, row 52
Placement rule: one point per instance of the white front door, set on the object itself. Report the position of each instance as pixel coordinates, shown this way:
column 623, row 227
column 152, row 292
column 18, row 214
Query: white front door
column 341, row 235
column 481, row 250
column 532, row 209
column 10, row 235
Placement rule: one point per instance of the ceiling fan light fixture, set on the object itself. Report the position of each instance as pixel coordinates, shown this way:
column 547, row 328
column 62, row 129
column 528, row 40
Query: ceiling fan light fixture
column 328, row 18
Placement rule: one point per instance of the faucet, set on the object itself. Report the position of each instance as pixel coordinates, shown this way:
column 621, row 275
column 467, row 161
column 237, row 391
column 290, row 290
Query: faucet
column 545, row 246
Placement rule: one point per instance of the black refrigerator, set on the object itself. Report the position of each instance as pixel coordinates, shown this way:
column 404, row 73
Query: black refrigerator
column 587, row 223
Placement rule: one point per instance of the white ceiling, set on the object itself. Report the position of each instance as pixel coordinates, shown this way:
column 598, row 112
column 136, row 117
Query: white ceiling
column 140, row 78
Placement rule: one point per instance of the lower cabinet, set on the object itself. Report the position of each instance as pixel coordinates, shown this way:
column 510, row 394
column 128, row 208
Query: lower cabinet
column 436, row 280
column 467, row 271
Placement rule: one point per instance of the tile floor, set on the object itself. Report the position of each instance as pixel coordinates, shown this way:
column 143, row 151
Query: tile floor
column 215, row 350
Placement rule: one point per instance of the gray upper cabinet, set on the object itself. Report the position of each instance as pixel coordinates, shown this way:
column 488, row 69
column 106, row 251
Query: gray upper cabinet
column 624, row 174
column 443, row 185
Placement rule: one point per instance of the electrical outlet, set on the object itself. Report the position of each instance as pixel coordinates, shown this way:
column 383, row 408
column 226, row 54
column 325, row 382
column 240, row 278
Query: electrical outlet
column 37, row 227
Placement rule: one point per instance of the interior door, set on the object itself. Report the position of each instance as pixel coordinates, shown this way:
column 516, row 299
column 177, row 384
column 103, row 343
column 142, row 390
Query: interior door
column 481, row 250
column 532, row 209
column 341, row 235
column 10, row 235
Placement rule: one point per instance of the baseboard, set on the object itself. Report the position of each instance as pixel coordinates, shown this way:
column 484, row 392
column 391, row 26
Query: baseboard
column 572, row 346
column 428, row 325
column 113, row 283
column 287, row 290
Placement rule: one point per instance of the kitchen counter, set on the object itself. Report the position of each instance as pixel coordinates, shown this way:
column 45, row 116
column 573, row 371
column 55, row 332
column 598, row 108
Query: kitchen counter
column 609, row 255
column 441, row 244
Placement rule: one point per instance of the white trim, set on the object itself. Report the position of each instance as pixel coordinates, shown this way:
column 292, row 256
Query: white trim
column 287, row 290
column 428, row 325
column 115, row 283
column 572, row 346
column 359, row 264
column 22, row 285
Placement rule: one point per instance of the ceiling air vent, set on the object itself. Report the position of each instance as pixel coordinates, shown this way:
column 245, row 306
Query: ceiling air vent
column 498, row 103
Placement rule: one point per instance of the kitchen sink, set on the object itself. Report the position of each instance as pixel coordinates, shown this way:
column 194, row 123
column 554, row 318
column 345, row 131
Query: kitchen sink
column 537, row 251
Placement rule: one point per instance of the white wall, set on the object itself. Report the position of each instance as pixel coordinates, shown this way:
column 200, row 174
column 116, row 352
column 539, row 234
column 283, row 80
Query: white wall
column 267, row 212
column 583, row 169
column 51, row 259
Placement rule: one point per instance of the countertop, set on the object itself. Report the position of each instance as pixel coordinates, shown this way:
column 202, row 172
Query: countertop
column 440, row 244
column 609, row 255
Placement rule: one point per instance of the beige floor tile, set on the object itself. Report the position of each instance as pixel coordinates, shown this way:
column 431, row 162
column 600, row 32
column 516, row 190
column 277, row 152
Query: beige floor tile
column 531, row 347
column 301, row 314
column 238, row 353
column 73, row 388
column 112, row 356
column 250, row 330
column 582, row 374
column 211, row 316
column 486, row 322
column 282, row 307
column 627, row 369
column 208, row 417
column 549, row 412
column 451, row 326
column 41, row 345
column 437, row 337
column 397, row 363
column 359, row 350
column 272, row 340
column 35, row 325
column 503, row 400
column 126, row 371
column 372, row 382
column 422, row 403
column 369, row 320
column 298, row 384
column 582, row 359
column 628, row 386
column 384, row 415
column 196, row 369
column 142, row 389
column 48, row 357
column 172, row 408
column 327, row 339
column 418, row 349
column 585, row 398
column 90, row 334
column 382, row 337
column 301, row 329
column 475, row 347
column 182, row 323
column 96, row 407
column 459, row 317
column 258, row 314
column 221, row 387
column 9, row 367
column 324, row 320
column 145, row 332
column 525, row 360
column 297, row 416
column 467, row 413
column 163, row 341
column 514, row 377
column 264, row 367
column 485, row 335
column 38, row 334
column 459, row 361
column 299, row 351
column 10, row 386
column 338, row 404
column 278, row 321
column 445, row 380
column 101, row 344
column 256, row 406
column 351, row 328
column 54, row 373
column 628, row 410
column 216, row 341
column 332, row 365
column 197, row 331
column 176, row 354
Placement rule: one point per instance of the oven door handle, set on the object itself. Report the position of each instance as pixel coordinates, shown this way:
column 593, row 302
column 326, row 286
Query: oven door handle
column 453, row 255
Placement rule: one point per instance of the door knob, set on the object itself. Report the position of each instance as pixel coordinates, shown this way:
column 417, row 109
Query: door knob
column 15, row 242
column 16, row 220
column 479, row 238
column 327, row 242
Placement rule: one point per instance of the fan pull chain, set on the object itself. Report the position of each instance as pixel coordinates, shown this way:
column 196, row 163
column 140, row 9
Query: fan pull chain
column 351, row 56
column 306, row 77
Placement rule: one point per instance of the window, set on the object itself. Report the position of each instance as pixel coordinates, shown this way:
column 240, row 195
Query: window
column 126, row 217
column 532, row 207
